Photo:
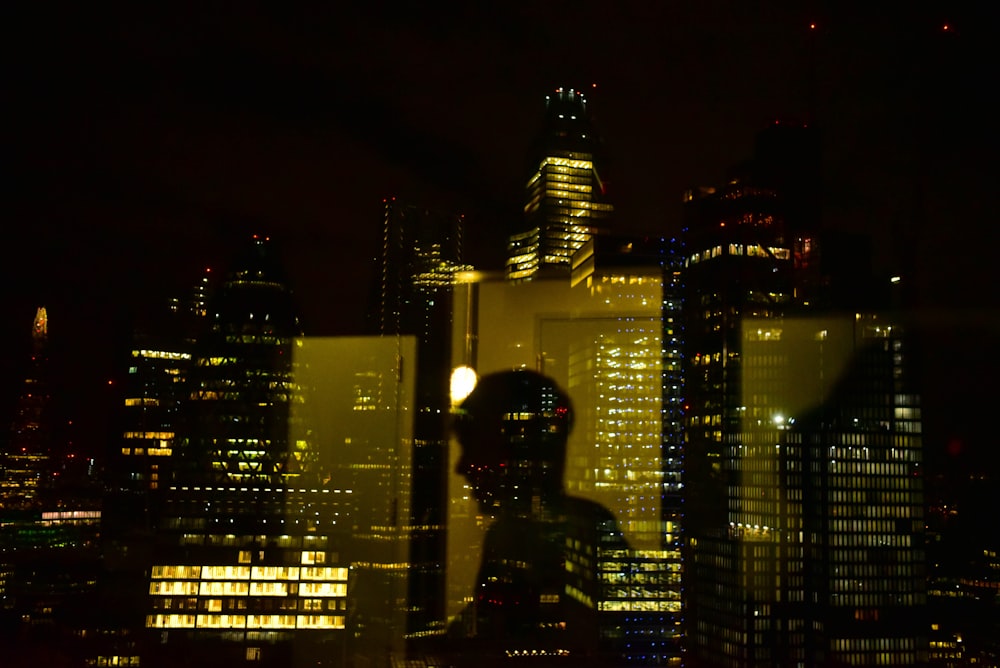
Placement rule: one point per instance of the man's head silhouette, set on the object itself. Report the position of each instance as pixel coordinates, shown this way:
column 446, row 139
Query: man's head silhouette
column 513, row 429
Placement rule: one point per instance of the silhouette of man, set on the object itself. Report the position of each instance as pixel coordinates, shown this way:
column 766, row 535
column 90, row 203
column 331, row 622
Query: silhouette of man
column 537, row 589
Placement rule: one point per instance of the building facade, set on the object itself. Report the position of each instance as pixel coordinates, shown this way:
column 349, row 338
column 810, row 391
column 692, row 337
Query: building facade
column 247, row 553
column 601, row 336
column 804, row 500
column 566, row 194
column 421, row 255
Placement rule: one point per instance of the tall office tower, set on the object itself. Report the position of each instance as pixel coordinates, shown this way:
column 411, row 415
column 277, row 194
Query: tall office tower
column 155, row 389
column 241, row 388
column 804, row 498
column 25, row 466
column 601, row 336
column 636, row 461
column 246, row 565
column 566, row 197
column 141, row 469
column 421, row 255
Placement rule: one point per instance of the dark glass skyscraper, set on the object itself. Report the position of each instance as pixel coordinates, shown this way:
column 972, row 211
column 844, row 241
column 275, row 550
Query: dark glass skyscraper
column 566, row 198
column 803, row 480
column 421, row 255
column 241, row 388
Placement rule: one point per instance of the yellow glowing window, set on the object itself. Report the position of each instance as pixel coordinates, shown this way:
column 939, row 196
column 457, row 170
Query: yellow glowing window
column 275, row 573
column 323, row 589
column 325, row 574
column 151, row 435
column 310, row 557
column 142, row 401
column 269, row 589
column 320, row 622
column 173, row 588
column 225, row 573
column 221, row 621
column 170, row 621
column 191, row 572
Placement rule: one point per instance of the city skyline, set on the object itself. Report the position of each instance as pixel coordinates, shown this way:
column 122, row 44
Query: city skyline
column 203, row 141
column 148, row 143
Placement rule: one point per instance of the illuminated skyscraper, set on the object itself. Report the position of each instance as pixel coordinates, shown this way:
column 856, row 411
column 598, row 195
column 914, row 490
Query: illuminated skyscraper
column 141, row 469
column 156, row 389
column 565, row 196
column 25, row 466
column 803, row 480
column 247, row 561
column 241, row 388
column 604, row 335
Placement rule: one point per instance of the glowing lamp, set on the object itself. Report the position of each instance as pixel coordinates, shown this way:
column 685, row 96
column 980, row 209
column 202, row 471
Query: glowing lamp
column 463, row 380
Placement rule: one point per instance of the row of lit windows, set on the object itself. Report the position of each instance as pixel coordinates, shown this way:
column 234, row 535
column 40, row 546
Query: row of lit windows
column 869, row 540
column 568, row 191
column 560, row 164
column 149, row 435
column 878, row 500
column 142, row 401
column 217, row 588
column 618, row 577
column 880, row 572
column 880, row 510
column 327, row 573
column 283, row 541
column 862, row 644
column 152, row 452
column 161, row 354
column 640, row 593
column 886, row 526
column 264, row 339
column 576, row 209
column 565, row 176
column 749, row 250
column 634, row 605
column 181, row 621
column 217, row 361
column 756, row 250
column 114, row 660
column 866, row 468
column 236, row 395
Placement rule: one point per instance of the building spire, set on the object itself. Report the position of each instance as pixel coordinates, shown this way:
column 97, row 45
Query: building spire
column 40, row 328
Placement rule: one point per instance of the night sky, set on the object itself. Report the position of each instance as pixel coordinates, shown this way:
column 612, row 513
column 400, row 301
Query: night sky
column 142, row 143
